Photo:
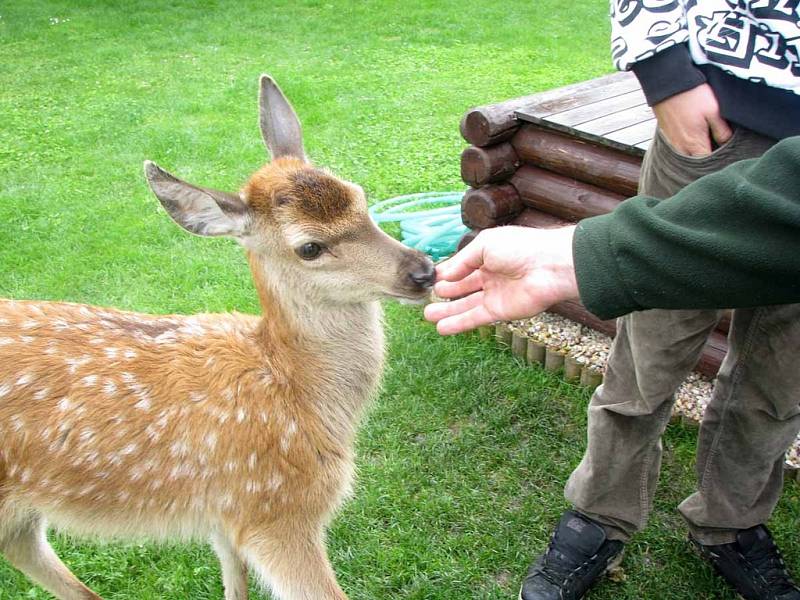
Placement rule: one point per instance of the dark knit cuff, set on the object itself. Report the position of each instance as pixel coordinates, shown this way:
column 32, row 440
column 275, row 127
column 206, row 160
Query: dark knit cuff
column 667, row 73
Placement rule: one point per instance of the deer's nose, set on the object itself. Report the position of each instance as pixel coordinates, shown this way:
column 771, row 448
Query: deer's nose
column 424, row 275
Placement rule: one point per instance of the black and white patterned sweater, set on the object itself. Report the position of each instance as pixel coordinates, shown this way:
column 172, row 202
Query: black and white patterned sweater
column 747, row 50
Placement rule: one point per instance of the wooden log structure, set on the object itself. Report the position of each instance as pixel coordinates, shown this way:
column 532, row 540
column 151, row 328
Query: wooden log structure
column 490, row 206
column 480, row 166
column 562, row 196
column 557, row 157
column 606, row 168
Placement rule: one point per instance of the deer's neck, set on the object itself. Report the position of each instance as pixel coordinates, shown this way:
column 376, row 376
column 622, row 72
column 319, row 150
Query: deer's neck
column 336, row 350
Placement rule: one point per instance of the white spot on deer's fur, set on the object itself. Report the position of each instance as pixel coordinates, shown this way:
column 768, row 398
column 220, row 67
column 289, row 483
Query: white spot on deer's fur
column 64, row 404
column 25, row 379
column 211, row 440
column 129, row 354
column 151, row 433
column 5, row 341
column 251, row 461
column 26, row 475
column 288, row 434
column 230, row 466
column 86, row 435
column 45, row 433
column 155, row 484
column 197, row 396
column 182, row 470
column 5, row 389
column 114, row 459
column 12, row 470
column 179, row 449
column 41, row 394
column 83, row 326
column 129, row 449
column 253, row 487
column 84, row 310
column 59, row 324
column 137, row 472
column 275, row 482
column 89, row 380
column 17, row 423
column 109, row 388
column 123, row 496
column 75, row 363
column 264, row 416
column 97, row 341
column 27, row 339
column 143, row 404
column 241, row 415
column 30, row 324
column 86, row 490
column 128, row 377
column 227, row 393
column 111, row 353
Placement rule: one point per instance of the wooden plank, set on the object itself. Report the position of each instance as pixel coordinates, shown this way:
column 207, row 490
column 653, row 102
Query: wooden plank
column 581, row 114
column 495, row 123
column 569, row 97
column 608, row 124
column 637, row 136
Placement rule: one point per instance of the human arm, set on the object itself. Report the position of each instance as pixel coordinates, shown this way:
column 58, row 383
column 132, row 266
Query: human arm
column 728, row 240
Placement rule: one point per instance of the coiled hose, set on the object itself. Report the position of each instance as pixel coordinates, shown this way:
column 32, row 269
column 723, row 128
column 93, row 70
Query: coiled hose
column 435, row 231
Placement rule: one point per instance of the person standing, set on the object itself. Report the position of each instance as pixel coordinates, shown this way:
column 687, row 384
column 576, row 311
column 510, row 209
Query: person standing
column 723, row 78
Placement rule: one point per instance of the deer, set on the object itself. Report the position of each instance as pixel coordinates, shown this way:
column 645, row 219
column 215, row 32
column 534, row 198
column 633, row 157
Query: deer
column 229, row 428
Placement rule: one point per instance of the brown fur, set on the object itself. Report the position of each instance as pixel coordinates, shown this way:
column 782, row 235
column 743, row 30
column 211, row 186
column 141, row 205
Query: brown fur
column 232, row 428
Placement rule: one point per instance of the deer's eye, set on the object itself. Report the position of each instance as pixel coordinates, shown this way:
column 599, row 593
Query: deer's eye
column 309, row 251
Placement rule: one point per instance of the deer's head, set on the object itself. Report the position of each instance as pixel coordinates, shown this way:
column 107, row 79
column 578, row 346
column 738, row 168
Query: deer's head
column 305, row 229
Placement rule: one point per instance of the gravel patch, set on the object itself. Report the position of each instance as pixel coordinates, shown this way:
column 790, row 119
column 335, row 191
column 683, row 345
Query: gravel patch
column 591, row 348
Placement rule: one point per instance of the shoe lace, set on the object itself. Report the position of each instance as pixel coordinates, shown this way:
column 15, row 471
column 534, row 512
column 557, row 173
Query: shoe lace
column 557, row 566
column 767, row 561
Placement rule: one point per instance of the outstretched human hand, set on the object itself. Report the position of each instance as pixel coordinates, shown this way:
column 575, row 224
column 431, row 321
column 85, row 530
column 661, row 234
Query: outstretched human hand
column 504, row 273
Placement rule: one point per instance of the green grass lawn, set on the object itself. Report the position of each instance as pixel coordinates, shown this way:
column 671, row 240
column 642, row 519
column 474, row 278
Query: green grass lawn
column 463, row 457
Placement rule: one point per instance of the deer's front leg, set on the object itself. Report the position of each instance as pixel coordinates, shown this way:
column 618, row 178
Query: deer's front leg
column 234, row 570
column 293, row 562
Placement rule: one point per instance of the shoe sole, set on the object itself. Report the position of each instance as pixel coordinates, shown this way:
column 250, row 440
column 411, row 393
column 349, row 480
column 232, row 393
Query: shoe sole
column 612, row 564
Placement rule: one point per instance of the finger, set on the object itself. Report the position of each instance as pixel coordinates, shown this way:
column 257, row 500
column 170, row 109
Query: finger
column 463, row 263
column 471, row 319
column 455, row 289
column 441, row 310
column 720, row 130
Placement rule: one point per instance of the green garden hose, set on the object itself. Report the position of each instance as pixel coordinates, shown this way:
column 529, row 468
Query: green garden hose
column 435, row 231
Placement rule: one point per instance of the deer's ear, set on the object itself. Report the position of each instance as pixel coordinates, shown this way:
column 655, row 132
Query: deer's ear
column 280, row 126
column 201, row 211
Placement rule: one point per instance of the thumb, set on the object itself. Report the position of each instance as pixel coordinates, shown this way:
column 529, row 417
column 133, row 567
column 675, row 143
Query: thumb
column 720, row 130
column 464, row 262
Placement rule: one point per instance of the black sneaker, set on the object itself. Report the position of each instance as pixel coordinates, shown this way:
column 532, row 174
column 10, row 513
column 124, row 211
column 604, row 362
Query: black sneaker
column 752, row 565
column 578, row 554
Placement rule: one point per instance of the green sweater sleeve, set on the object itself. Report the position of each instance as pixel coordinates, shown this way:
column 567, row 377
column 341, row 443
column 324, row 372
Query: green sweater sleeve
column 728, row 240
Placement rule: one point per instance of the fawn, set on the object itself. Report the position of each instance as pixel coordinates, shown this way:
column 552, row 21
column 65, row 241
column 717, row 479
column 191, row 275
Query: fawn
column 232, row 428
